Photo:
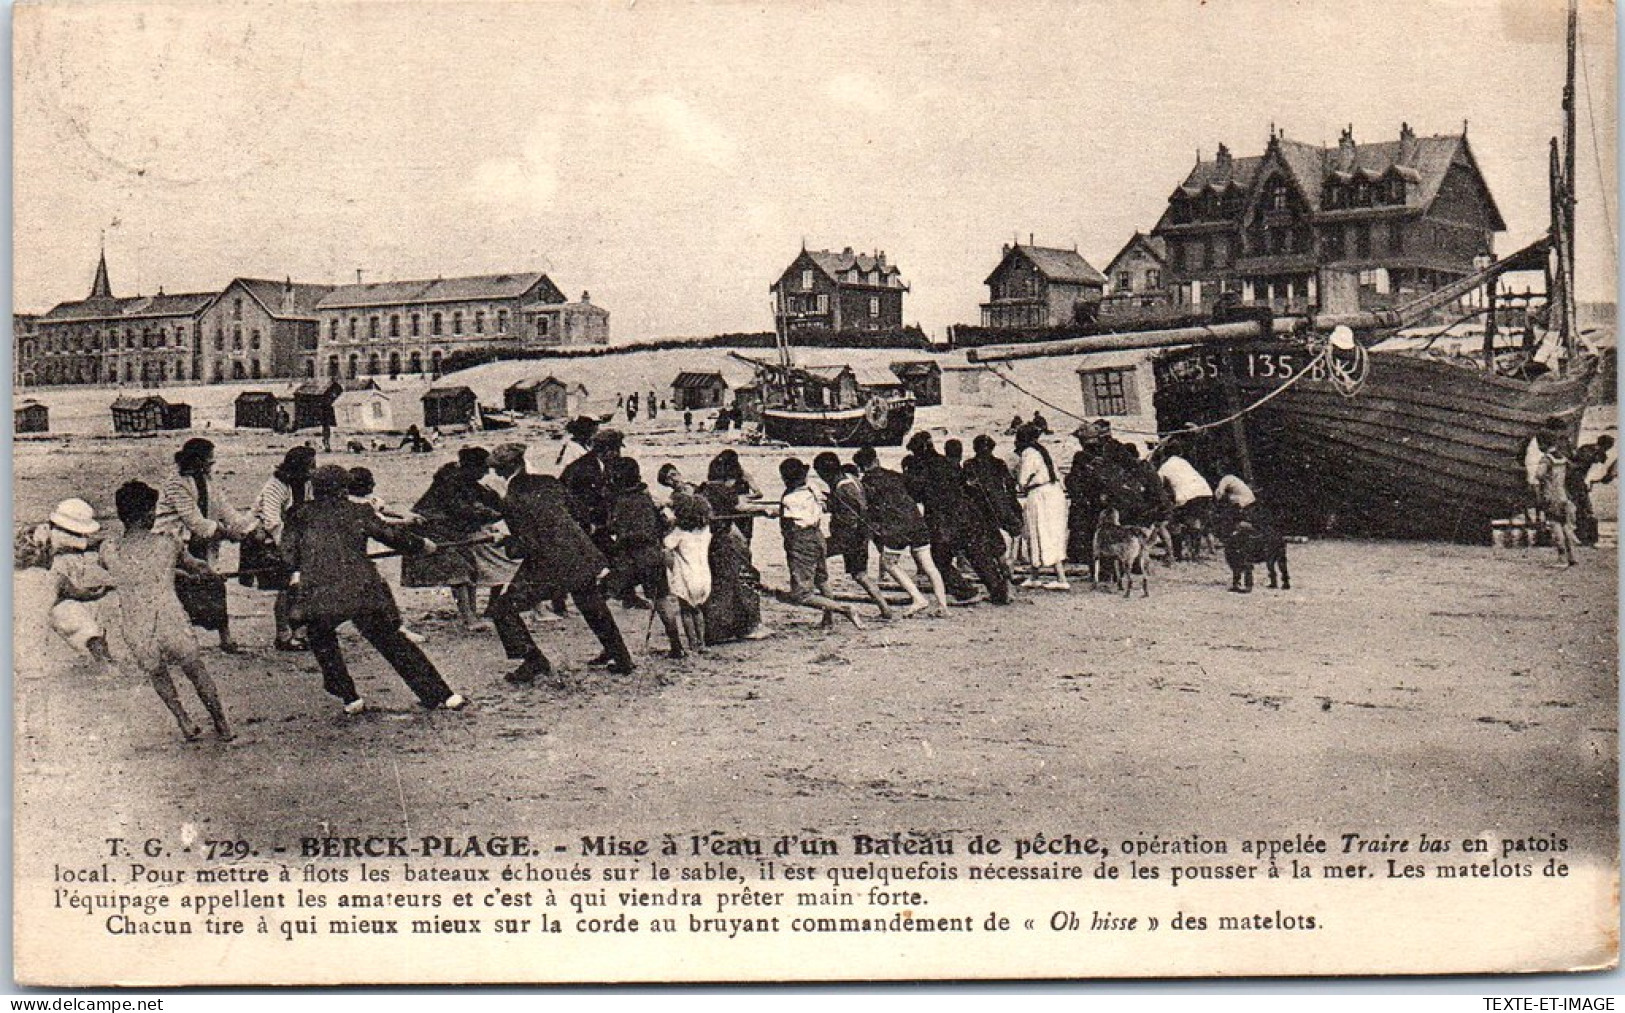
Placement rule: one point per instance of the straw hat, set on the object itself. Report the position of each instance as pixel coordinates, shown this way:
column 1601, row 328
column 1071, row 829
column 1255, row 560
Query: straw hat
column 75, row 516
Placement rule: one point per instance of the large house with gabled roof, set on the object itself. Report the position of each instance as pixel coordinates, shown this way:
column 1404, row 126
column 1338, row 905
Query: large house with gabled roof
column 1405, row 216
column 260, row 328
column 1041, row 286
column 846, row 291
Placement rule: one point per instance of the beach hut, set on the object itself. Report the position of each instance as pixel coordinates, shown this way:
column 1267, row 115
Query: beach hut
column 139, row 414
column 177, row 415
column 255, row 409
column 31, row 417
column 551, row 398
column 313, row 401
column 698, row 390
column 923, row 379
column 367, row 410
column 449, row 406
column 522, row 396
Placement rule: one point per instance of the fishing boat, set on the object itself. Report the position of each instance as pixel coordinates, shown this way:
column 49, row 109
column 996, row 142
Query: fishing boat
column 828, row 406
column 1341, row 432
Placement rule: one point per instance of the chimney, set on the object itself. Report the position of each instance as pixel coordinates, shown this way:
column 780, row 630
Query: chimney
column 847, row 252
column 1222, row 159
column 586, row 297
column 1345, row 150
column 1030, row 239
column 1006, row 248
column 1407, row 145
column 880, row 258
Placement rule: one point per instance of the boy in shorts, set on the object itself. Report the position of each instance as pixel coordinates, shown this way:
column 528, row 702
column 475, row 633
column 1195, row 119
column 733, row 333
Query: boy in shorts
column 849, row 529
column 899, row 529
column 801, row 518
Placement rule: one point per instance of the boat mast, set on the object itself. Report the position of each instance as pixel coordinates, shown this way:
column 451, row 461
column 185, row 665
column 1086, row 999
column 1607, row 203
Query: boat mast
column 1563, row 201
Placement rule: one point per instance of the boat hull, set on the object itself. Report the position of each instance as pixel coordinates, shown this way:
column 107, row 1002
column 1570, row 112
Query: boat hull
column 851, row 427
column 1425, row 449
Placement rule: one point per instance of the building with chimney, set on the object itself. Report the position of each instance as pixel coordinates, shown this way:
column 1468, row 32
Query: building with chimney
column 111, row 339
column 846, row 291
column 394, row 327
column 259, row 328
column 1041, row 286
column 1402, row 216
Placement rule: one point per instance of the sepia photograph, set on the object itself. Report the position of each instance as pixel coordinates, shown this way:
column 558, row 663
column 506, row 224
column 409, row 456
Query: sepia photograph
column 675, row 491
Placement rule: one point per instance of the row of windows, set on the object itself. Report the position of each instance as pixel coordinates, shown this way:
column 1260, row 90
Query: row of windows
column 95, row 341
column 793, row 305
column 1361, row 193
column 236, row 339
column 437, row 324
column 375, row 365
column 1337, row 242
column 1125, row 280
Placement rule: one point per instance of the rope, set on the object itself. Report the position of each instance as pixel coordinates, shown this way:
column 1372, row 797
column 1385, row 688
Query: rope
column 1596, row 152
column 481, row 540
column 1346, row 380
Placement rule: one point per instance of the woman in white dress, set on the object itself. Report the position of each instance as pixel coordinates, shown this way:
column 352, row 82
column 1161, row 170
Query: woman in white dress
column 1043, row 507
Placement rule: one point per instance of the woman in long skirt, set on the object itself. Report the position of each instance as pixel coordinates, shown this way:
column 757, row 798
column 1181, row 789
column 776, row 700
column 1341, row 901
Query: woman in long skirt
column 188, row 513
column 1043, row 507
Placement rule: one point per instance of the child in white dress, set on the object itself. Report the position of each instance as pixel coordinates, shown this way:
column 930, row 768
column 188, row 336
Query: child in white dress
column 688, row 567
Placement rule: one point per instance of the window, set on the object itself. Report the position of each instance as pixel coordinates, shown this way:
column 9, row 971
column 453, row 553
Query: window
column 254, row 339
column 541, row 326
column 237, row 371
column 1109, row 392
column 1125, row 281
column 394, row 365
column 237, row 308
column 1153, row 279
column 457, row 322
column 254, row 368
column 180, row 337
column 874, row 306
column 333, row 366
column 502, row 321
column 394, row 325
column 310, row 369
column 1278, row 196
column 806, row 280
column 372, row 364
column 160, row 337
column 434, row 362
column 414, row 363
column 352, row 328
column 333, row 329
column 180, row 370
column 376, row 408
column 416, row 330
column 372, row 328
column 236, row 339
column 355, row 361
column 434, row 323
column 479, row 321
column 823, row 302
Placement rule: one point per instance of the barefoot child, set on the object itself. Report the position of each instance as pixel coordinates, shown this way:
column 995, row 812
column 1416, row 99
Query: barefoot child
column 801, row 517
column 150, row 624
column 75, row 579
column 688, row 567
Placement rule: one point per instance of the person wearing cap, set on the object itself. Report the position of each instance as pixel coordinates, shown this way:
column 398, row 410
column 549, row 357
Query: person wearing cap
column 579, row 432
column 637, row 556
column 77, row 579
column 556, row 558
column 150, row 625
column 325, row 544
column 455, row 508
column 1087, row 494
column 192, row 513
column 285, row 490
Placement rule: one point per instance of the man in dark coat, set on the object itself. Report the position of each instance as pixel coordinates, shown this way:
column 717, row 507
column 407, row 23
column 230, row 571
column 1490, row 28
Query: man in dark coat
column 325, row 544
column 958, row 526
column 1086, row 495
column 993, row 487
column 587, row 481
column 558, row 558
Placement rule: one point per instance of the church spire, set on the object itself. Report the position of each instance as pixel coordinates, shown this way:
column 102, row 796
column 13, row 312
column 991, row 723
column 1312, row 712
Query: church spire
column 100, row 288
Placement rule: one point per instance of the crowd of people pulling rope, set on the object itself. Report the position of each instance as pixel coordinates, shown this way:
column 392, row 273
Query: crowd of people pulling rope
column 594, row 533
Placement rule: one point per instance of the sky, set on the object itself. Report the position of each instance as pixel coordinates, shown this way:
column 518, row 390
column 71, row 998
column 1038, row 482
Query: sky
column 673, row 157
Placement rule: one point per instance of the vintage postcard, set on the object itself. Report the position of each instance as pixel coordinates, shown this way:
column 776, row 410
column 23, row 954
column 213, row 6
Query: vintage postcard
column 701, row 491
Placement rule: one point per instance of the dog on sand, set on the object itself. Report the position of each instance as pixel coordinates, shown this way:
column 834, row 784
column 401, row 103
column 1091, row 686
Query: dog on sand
column 1250, row 539
column 1126, row 549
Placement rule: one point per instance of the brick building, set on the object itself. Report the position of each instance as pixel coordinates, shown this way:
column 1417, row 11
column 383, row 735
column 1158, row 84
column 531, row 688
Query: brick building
column 1403, row 216
column 1040, row 286
column 389, row 328
column 132, row 339
column 259, row 328
column 843, row 291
